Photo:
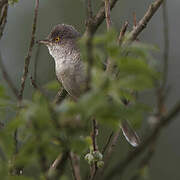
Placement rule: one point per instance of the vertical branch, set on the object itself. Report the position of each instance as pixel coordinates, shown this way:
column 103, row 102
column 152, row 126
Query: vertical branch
column 89, row 9
column 28, row 57
column 94, row 134
column 95, row 147
column 107, row 14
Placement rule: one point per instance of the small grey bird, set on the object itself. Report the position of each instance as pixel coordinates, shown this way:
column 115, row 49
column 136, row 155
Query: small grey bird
column 62, row 45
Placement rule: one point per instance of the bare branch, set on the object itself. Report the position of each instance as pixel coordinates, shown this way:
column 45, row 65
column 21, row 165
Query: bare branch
column 110, row 148
column 8, row 79
column 164, row 121
column 94, row 134
column 89, row 9
column 3, row 18
column 134, row 20
column 2, row 3
column 58, row 165
column 95, row 147
column 122, row 32
column 144, row 21
column 28, row 57
column 107, row 143
column 99, row 18
column 75, row 166
column 107, row 14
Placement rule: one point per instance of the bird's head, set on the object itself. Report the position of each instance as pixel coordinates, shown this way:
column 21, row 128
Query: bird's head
column 61, row 37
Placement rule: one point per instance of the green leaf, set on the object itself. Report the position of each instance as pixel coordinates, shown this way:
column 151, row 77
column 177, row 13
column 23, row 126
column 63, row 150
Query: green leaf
column 53, row 85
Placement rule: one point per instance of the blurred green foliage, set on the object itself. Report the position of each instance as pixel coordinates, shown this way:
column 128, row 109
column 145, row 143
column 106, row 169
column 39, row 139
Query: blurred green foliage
column 46, row 130
column 12, row 1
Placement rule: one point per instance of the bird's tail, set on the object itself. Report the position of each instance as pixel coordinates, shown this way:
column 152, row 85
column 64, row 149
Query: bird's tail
column 130, row 134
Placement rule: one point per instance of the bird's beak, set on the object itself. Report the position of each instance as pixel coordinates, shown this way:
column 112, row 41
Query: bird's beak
column 45, row 42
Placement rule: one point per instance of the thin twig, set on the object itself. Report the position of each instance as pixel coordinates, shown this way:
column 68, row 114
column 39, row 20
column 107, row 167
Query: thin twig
column 75, row 166
column 107, row 14
column 110, row 149
column 55, row 163
column 89, row 9
column 163, row 122
column 134, row 20
column 8, row 79
column 144, row 21
column 99, row 18
column 58, row 165
column 107, row 143
column 94, row 135
column 122, row 32
column 29, row 54
column 3, row 19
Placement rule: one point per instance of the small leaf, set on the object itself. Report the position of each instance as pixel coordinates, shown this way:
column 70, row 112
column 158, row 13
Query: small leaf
column 53, row 85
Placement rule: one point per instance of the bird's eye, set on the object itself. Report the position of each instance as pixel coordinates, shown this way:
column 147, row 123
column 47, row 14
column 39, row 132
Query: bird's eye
column 57, row 39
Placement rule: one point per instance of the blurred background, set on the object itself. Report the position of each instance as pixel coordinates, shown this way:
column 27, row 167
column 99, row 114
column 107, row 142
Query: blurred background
column 15, row 41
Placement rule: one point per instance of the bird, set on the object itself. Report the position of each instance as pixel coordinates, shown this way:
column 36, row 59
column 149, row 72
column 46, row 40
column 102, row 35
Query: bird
column 70, row 69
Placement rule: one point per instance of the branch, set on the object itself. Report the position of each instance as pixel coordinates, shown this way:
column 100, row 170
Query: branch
column 89, row 9
column 109, row 146
column 58, row 165
column 107, row 14
column 144, row 21
column 8, row 79
column 99, row 18
column 163, row 122
column 75, row 166
column 28, row 57
column 122, row 32
column 3, row 18
column 95, row 147
column 107, row 143
column 2, row 3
